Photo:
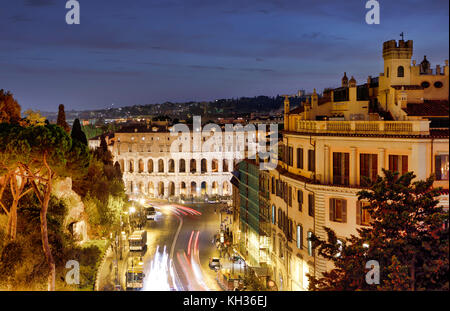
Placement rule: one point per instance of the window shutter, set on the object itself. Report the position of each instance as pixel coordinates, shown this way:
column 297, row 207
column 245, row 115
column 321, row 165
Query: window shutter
column 358, row 213
column 344, row 211
column 331, row 207
column 404, row 164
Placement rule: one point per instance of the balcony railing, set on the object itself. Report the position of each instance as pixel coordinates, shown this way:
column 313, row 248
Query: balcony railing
column 364, row 127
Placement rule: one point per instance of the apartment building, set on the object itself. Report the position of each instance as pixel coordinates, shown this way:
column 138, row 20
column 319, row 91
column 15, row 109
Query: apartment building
column 334, row 143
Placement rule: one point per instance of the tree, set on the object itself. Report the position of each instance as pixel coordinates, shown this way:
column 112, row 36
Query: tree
column 61, row 121
column 407, row 237
column 33, row 118
column 52, row 154
column 12, row 174
column 77, row 132
column 9, row 108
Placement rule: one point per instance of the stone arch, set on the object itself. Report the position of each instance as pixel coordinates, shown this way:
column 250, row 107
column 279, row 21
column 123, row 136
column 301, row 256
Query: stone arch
column 204, row 166
column 122, row 165
column 183, row 188
column 131, row 166
column 225, row 165
column 151, row 189
column 182, row 166
column 193, row 187
column 400, row 71
column 140, row 187
column 204, row 188
column 141, row 166
column 171, row 188
column 171, row 166
column 226, row 189
column 215, row 188
column 130, row 186
column 161, row 188
column 160, row 166
column 150, row 165
column 193, row 166
column 214, row 165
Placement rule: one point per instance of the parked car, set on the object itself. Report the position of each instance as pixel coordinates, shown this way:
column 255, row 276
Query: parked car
column 214, row 263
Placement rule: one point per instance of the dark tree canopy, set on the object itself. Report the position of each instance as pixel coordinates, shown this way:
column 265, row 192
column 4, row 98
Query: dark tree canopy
column 61, row 121
column 408, row 237
column 9, row 108
column 77, row 132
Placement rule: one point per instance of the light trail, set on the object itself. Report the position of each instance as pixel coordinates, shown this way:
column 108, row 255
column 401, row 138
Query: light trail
column 156, row 278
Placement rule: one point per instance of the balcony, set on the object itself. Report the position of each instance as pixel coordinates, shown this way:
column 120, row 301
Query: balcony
column 415, row 128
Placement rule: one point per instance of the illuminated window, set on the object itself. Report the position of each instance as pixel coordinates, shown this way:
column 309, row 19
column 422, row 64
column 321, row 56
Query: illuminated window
column 341, row 168
column 441, row 167
column 368, row 168
column 273, row 214
column 310, row 248
column 299, row 236
column 398, row 163
column 338, row 210
column 362, row 214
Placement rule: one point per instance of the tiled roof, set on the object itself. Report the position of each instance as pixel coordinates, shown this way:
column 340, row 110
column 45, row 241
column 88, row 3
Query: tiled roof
column 430, row 108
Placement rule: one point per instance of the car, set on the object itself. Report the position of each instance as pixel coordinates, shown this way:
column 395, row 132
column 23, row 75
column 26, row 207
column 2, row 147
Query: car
column 214, row 263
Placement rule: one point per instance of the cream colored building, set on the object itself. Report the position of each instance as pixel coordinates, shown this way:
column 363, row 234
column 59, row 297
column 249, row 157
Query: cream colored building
column 333, row 142
column 151, row 168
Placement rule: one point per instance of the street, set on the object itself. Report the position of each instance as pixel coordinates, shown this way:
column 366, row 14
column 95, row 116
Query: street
column 179, row 246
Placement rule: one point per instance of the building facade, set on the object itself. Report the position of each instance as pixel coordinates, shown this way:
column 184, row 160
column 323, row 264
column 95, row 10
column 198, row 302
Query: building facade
column 333, row 144
column 158, row 164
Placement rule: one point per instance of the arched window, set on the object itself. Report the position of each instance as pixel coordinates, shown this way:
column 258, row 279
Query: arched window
column 387, row 72
column 400, row 72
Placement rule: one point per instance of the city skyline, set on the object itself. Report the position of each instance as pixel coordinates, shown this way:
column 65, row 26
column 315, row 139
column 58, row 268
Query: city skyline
column 153, row 51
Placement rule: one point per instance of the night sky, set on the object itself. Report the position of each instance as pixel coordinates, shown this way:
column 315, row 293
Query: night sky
column 137, row 52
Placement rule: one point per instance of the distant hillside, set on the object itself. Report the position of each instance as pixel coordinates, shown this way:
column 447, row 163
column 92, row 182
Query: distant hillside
column 234, row 107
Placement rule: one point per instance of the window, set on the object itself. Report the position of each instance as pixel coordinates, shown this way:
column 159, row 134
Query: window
column 341, row 168
column 441, row 167
column 290, row 196
column 310, row 248
column 280, row 219
column 425, row 84
column 273, row 185
column 362, row 214
column 291, row 156
column 311, row 160
column 368, row 168
column 400, row 72
column 273, row 214
column 338, row 210
column 300, row 199
column 387, row 72
column 398, row 163
column 300, row 158
column 311, row 205
column 299, row 236
column 438, row 84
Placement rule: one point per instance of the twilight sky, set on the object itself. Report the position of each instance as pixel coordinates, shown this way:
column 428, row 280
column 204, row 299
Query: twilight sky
column 137, row 52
